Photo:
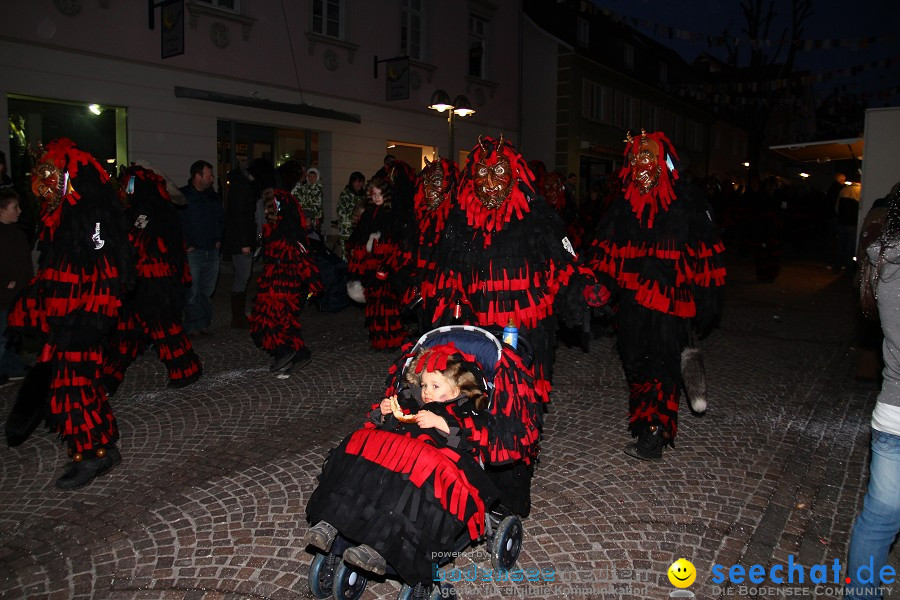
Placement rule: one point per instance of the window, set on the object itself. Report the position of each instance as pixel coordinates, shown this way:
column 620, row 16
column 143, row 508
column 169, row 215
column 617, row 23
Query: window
column 411, row 28
column 629, row 56
column 584, row 32
column 592, row 101
column 477, row 40
column 230, row 5
column 327, row 18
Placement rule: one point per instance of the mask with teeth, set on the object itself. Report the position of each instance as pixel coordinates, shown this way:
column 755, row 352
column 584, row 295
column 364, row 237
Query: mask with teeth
column 493, row 180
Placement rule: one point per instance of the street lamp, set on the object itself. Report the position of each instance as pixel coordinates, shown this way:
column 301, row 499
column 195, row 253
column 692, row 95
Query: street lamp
column 460, row 106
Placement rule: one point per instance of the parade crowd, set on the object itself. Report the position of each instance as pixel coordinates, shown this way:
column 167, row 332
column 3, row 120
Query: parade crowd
column 499, row 243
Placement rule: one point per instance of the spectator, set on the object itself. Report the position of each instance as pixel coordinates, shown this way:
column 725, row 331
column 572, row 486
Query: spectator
column 202, row 221
column 878, row 523
column 847, row 217
column 309, row 194
column 240, row 239
column 15, row 273
column 374, row 239
column 350, row 205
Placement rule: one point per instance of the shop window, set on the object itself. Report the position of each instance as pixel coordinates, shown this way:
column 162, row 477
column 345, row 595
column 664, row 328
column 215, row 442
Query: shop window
column 95, row 128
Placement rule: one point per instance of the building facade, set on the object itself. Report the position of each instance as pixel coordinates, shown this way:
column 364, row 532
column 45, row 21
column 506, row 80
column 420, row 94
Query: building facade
column 258, row 78
column 608, row 79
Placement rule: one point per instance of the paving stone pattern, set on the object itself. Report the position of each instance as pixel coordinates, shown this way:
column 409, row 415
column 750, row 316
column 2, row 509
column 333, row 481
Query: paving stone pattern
column 209, row 500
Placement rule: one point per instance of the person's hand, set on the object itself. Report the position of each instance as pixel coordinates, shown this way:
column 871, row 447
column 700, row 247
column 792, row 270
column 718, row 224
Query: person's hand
column 245, row 250
column 428, row 420
column 596, row 295
column 218, row 245
column 385, row 405
column 190, row 249
column 11, row 285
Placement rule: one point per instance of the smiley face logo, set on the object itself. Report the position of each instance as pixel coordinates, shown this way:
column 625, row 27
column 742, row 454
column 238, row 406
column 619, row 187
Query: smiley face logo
column 682, row 573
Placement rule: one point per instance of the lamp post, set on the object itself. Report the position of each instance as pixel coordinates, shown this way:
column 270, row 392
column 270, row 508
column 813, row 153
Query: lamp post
column 460, row 107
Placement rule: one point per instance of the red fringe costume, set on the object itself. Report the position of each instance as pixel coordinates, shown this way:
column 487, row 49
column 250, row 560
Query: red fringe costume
column 75, row 299
column 414, row 267
column 516, row 411
column 661, row 256
column 153, row 311
column 289, row 276
column 410, row 493
column 509, row 263
column 366, row 265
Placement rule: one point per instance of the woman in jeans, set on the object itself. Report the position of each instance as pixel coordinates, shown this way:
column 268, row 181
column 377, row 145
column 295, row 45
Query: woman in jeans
column 877, row 525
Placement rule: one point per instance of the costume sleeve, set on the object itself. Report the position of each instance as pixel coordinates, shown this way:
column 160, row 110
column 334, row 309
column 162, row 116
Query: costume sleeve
column 516, row 413
column 706, row 257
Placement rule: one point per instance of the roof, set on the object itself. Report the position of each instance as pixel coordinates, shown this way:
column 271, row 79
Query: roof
column 846, row 149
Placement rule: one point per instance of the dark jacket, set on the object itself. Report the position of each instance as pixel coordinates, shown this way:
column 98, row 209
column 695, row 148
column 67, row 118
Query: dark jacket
column 16, row 263
column 240, row 214
column 202, row 219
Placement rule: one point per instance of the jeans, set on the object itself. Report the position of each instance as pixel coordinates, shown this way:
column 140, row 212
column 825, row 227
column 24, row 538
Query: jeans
column 878, row 523
column 242, row 263
column 10, row 362
column 204, row 266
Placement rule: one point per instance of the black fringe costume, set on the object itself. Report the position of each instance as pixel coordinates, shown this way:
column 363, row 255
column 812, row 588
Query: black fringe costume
column 414, row 264
column 511, row 263
column 288, row 277
column 661, row 257
column 73, row 302
column 516, row 418
column 410, row 493
column 153, row 311
column 366, row 266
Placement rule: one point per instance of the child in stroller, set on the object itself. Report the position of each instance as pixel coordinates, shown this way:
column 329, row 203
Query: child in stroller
column 407, row 492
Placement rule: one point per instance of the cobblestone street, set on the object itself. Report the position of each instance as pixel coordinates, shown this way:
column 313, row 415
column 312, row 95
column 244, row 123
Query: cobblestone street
column 209, row 500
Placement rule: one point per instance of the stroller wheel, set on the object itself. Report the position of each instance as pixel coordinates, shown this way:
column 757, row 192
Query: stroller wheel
column 321, row 574
column 444, row 591
column 507, row 543
column 349, row 584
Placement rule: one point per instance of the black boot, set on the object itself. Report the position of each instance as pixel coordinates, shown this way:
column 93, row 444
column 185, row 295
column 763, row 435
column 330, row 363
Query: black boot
column 649, row 445
column 282, row 359
column 88, row 465
column 299, row 360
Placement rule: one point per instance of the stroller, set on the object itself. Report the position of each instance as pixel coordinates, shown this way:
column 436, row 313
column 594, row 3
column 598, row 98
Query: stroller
column 481, row 513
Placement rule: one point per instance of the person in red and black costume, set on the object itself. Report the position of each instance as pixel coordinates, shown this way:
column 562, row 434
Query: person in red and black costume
column 659, row 252
column 504, row 257
column 153, row 311
column 376, row 237
column 74, row 302
column 413, row 266
column 289, row 276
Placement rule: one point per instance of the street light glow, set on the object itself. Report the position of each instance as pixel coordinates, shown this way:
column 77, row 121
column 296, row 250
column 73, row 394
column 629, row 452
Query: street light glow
column 95, row 108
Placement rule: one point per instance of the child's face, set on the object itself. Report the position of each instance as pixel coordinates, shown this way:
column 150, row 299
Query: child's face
column 436, row 388
column 11, row 213
column 377, row 197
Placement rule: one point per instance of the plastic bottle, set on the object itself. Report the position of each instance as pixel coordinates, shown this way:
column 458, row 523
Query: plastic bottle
column 511, row 334
column 457, row 313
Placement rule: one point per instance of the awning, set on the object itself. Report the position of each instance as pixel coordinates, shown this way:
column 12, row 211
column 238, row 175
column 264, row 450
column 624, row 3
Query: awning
column 847, row 149
column 300, row 109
